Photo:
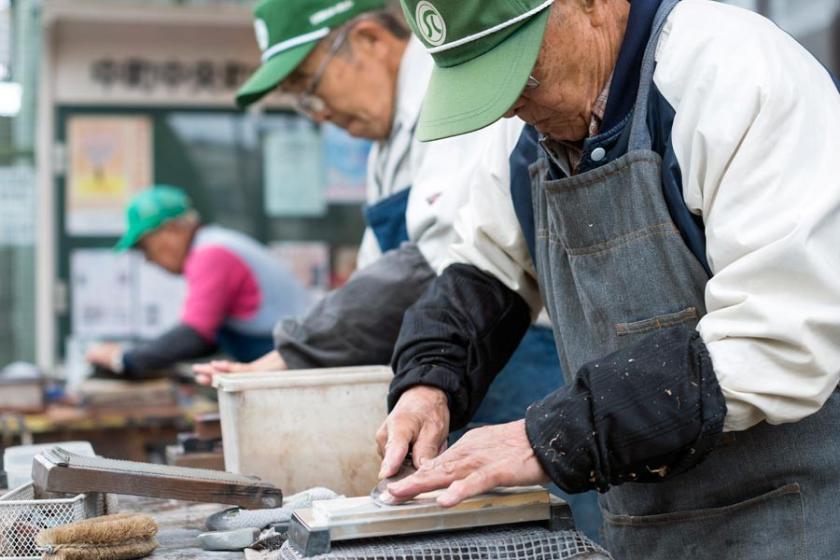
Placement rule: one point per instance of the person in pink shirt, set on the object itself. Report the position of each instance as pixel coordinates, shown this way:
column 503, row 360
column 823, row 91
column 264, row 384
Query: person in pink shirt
column 236, row 291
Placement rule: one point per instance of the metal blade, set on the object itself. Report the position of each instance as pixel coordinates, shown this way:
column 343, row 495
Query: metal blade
column 380, row 494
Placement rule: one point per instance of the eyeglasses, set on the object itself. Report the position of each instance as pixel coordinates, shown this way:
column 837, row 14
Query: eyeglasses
column 532, row 82
column 307, row 102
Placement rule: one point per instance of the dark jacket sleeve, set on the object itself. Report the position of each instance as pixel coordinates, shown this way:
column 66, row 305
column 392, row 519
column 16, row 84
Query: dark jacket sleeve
column 644, row 413
column 178, row 344
column 358, row 323
column 457, row 337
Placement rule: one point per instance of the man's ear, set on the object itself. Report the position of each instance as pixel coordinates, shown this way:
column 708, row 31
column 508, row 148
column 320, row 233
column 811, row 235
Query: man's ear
column 368, row 37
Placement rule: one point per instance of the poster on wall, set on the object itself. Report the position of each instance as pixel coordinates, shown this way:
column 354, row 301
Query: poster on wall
column 310, row 262
column 121, row 296
column 293, row 170
column 159, row 298
column 345, row 162
column 101, row 290
column 109, row 160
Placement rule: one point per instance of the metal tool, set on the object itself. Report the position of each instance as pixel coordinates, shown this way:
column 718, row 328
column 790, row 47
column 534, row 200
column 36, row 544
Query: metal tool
column 312, row 531
column 58, row 470
column 237, row 539
column 380, row 494
column 236, row 518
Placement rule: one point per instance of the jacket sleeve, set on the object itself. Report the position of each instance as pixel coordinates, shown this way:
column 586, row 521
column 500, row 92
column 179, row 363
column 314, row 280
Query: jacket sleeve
column 457, row 337
column 488, row 233
column 757, row 136
column 179, row 344
column 642, row 414
column 358, row 323
column 443, row 173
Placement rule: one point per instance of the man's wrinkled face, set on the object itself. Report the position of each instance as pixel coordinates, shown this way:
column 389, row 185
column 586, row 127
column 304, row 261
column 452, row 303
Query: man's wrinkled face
column 357, row 90
column 570, row 69
column 166, row 247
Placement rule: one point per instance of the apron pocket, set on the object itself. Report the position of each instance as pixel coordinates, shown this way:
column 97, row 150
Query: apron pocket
column 687, row 315
column 767, row 527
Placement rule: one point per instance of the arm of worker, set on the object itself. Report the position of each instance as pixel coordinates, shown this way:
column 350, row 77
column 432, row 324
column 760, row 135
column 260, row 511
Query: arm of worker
column 213, row 275
column 758, row 167
column 760, row 170
column 179, row 344
column 358, row 323
column 463, row 330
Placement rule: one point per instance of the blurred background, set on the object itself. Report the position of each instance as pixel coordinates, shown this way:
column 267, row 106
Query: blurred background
column 100, row 98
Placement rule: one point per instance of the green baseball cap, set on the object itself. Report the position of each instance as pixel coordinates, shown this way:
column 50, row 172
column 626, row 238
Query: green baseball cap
column 288, row 30
column 484, row 51
column 151, row 209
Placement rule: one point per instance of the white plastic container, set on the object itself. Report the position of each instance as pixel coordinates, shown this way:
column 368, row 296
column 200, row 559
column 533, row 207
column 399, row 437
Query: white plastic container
column 17, row 460
column 305, row 428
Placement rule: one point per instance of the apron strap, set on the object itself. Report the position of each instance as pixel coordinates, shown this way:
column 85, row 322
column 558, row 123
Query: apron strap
column 639, row 133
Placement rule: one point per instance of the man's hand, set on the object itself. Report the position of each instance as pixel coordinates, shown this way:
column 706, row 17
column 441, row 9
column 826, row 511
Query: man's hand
column 481, row 460
column 107, row 355
column 204, row 373
column 419, row 421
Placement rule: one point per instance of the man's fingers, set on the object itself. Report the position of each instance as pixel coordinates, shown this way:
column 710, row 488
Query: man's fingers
column 396, row 448
column 428, row 444
column 202, row 369
column 435, row 474
column 382, row 439
column 476, row 483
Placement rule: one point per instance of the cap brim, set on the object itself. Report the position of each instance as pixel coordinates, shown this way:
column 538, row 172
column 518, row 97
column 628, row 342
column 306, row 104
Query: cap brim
column 476, row 93
column 128, row 240
column 271, row 73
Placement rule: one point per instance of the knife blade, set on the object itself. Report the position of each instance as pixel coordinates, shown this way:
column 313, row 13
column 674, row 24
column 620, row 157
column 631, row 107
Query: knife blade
column 380, row 495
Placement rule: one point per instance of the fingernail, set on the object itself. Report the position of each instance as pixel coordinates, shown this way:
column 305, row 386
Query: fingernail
column 386, row 498
column 445, row 500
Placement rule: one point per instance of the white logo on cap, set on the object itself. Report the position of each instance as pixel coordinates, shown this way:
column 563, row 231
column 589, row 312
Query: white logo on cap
column 261, row 30
column 430, row 23
column 320, row 17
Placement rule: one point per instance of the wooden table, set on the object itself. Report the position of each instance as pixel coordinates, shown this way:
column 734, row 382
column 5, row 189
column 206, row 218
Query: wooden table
column 120, row 433
column 180, row 523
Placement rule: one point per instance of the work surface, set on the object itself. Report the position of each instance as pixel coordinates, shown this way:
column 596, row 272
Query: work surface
column 180, row 523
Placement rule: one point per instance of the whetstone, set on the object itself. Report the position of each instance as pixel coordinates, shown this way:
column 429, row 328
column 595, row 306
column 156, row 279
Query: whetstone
column 57, row 470
column 312, row 530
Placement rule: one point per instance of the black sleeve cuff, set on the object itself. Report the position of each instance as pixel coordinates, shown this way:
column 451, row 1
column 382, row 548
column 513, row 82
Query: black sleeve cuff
column 358, row 323
column 457, row 337
column 180, row 343
column 642, row 414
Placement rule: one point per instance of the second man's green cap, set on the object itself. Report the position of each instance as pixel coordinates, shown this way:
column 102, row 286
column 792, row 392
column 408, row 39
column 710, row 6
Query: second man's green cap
column 288, row 30
column 149, row 210
column 484, row 51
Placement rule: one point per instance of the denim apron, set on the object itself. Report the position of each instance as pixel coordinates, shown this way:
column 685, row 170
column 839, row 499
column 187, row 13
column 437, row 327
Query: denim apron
column 386, row 219
column 614, row 268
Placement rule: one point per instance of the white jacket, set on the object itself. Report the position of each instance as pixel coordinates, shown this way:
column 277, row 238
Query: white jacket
column 438, row 172
column 757, row 138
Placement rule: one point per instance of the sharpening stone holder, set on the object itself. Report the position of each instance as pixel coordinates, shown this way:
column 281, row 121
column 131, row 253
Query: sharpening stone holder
column 57, row 470
column 313, row 530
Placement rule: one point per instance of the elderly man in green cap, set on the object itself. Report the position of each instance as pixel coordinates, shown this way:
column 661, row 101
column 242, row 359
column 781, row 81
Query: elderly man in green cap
column 678, row 192
column 236, row 290
column 354, row 63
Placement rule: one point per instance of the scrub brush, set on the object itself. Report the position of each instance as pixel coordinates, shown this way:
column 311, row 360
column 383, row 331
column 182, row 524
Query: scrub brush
column 122, row 536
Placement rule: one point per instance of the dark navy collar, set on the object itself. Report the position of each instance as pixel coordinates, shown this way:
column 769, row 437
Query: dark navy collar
column 625, row 81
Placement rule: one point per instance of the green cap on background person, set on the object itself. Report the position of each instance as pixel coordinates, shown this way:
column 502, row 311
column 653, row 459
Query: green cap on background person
column 484, row 51
column 151, row 209
column 288, row 30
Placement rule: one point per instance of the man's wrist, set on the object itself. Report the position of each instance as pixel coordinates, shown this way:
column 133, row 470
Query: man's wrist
column 117, row 364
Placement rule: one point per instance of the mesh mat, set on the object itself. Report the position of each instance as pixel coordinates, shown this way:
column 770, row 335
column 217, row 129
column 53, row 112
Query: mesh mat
column 504, row 543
